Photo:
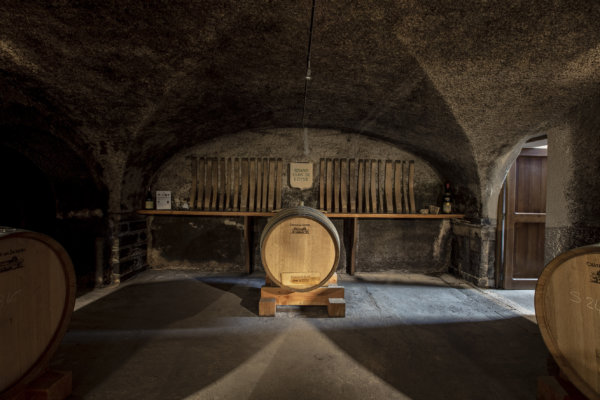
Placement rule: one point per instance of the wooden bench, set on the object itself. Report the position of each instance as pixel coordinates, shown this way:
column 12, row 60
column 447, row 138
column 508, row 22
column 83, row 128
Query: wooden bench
column 348, row 188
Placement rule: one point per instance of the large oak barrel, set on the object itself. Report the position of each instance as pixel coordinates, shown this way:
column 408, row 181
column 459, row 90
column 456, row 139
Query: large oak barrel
column 567, row 307
column 300, row 248
column 37, row 295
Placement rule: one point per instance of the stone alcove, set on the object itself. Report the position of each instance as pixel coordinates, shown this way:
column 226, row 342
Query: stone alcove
column 216, row 243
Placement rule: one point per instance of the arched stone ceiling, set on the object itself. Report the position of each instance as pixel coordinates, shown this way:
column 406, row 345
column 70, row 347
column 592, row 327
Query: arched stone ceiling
column 458, row 83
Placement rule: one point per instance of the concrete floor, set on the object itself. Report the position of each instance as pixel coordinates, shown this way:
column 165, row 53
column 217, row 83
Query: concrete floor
column 183, row 335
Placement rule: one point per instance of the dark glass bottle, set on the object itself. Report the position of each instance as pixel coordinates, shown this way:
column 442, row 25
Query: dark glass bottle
column 448, row 203
column 149, row 204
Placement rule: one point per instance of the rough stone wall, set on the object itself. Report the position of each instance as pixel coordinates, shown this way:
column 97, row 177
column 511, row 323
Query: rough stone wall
column 460, row 84
column 473, row 252
column 295, row 145
column 208, row 243
column 216, row 243
column 408, row 245
column 573, row 217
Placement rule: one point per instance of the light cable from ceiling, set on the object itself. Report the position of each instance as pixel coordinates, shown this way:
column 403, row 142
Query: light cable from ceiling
column 308, row 72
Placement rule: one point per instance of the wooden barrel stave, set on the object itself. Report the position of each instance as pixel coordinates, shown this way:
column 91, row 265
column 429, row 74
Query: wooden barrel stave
column 300, row 249
column 567, row 305
column 37, row 296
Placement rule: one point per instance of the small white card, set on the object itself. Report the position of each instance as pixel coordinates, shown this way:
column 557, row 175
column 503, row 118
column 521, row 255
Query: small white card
column 301, row 175
column 163, row 199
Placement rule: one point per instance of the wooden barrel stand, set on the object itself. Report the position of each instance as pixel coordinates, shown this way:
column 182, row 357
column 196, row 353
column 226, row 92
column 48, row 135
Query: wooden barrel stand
column 330, row 295
column 300, row 250
column 557, row 388
column 49, row 385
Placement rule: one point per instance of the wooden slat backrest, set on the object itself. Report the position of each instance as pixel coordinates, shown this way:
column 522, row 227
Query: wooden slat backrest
column 366, row 186
column 236, row 184
column 411, row 186
column 352, row 173
column 398, row 186
column 201, row 184
column 208, row 184
column 329, row 185
column 374, row 201
column 194, row 187
column 265, row 184
column 389, row 192
column 245, row 180
column 322, row 184
column 361, row 185
column 258, row 183
column 271, row 193
column 252, row 183
column 215, row 183
column 345, row 185
column 278, row 184
column 228, row 183
column 222, row 183
column 405, row 186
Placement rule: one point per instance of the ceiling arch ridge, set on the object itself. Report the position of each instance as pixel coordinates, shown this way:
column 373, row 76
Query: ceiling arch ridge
column 365, row 79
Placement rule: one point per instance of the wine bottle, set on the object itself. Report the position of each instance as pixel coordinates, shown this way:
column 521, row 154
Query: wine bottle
column 447, row 204
column 149, row 205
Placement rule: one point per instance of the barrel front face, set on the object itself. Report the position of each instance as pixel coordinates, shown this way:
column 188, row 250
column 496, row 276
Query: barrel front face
column 300, row 252
column 36, row 302
column 567, row 302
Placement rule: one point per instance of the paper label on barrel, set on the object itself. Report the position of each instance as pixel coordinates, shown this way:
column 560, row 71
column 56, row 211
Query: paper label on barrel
column 594, row 271
column 11, row 259
column 300, row 278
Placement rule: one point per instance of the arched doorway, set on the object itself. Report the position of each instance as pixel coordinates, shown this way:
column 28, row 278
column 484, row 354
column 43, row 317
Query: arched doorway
column 48, row 188
column 28, row 201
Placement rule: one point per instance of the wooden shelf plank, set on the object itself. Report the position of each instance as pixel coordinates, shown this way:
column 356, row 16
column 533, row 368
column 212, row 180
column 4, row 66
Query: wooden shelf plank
column 269, row 214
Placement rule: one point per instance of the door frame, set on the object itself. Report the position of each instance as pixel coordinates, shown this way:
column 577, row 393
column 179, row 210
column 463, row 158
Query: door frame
column 504, row 232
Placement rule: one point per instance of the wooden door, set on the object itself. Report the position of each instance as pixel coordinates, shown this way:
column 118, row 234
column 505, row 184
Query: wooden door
column 524, row 220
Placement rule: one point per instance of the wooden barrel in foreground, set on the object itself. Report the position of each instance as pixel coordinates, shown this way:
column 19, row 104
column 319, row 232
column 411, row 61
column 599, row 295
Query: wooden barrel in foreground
column 37, row 295
column 300, row 249
column 567, row 307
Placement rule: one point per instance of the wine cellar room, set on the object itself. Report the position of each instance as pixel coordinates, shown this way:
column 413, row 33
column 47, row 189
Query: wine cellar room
column 309, row 199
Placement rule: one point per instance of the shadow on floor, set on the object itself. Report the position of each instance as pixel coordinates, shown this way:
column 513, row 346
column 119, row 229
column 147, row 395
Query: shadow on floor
column 175, row 319
column 247, row 289
column 175, row 339
column 498, row 359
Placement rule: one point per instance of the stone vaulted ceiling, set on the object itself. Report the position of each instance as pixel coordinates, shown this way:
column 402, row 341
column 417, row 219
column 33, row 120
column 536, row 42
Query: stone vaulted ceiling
column 130, row 83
